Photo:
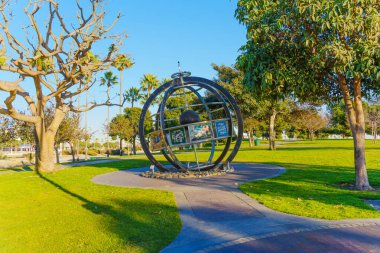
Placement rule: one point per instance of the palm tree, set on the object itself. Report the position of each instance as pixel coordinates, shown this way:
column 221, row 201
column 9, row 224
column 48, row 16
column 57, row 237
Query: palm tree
column 149, row 82
column 133, row 95
column 121, row 63
column 109, row 80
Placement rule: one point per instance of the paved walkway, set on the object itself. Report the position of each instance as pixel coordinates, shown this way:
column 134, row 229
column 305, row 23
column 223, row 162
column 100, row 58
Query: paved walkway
column 217, row 217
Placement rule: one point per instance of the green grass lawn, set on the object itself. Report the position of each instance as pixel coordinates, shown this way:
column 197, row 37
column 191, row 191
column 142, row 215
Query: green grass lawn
column 65, row 212
column 313, row 184
column 316, row 181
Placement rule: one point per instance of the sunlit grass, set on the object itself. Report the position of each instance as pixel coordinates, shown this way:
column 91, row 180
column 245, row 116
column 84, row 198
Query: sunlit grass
column 65, row 212
column 312, row 183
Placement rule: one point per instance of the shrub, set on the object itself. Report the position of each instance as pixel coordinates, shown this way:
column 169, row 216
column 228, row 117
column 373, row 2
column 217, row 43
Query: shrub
column 66, row 152
column 92, row 152
column 29, row 156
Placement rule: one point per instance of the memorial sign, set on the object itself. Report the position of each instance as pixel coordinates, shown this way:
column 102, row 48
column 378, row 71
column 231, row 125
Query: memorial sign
column 200, row 132
column 221, row 129
column 177, row 136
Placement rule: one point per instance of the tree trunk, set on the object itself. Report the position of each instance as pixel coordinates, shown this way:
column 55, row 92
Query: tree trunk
column 311, row 134
column 56, row 154
column 134, row 145
column 44, row 151
column 374, row 132
column 121, row 147
column 108, row 119
column 44, row 137
column 357, row 124
column 72, row 151
column 121, row 92
column 272, row 133
column 250, row 139
column 77, row 149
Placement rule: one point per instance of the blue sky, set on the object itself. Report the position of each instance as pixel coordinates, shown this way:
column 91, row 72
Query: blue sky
column 162, row 32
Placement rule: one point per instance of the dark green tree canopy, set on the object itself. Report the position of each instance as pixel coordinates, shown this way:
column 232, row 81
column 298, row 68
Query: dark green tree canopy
column 133, row 115
column 121, row 127
column 295, row 47
column 232, row 79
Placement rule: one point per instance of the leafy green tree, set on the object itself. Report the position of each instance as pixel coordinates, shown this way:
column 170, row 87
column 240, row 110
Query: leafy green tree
column 25, row 131
column 273, row 112
column 133, row 115
column 133, row 95
column 338, row 123
column 8, row 130
column 265, row 107
column 69, row 132
column 252, row 127
column 232, row 79
column 121, row 127
column 316, row 50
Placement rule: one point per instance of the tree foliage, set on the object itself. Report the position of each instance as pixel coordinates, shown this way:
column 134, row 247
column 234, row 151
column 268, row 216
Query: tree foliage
column 149, row 82
column 121, row 127
column 338, row 123
column 232, row 79
column 8, row 130
column 315, row 50
column 133, row 95
column 133, row 116
column 108, row 80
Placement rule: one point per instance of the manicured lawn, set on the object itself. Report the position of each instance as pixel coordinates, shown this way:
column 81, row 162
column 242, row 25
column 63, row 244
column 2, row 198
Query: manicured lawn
column 317, row 178
column 311, row 185
column 65, row 212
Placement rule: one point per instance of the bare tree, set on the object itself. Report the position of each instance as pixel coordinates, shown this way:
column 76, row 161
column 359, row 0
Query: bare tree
column 56, row 57
column 250, row 125
column 308, row 119
column 373, row 119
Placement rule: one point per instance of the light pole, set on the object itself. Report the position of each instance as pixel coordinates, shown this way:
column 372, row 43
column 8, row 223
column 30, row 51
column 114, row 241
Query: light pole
column 85, row 127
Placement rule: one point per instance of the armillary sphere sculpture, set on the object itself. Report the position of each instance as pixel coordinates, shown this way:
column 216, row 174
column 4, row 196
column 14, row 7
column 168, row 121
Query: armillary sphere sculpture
column 197, row 126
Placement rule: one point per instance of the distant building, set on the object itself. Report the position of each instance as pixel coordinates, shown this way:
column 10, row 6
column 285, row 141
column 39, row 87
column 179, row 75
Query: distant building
column 18, row 150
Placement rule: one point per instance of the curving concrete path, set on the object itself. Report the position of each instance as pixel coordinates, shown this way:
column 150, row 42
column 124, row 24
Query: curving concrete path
column 218, row 217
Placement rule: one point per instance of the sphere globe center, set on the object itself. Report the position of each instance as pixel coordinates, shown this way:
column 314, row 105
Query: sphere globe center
column 188, row 117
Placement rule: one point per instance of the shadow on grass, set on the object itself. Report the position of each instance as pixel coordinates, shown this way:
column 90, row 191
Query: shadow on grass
column 138, row 223
column 17, row 169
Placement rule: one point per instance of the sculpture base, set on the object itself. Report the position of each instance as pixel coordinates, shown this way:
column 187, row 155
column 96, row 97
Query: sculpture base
column 187, row 174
